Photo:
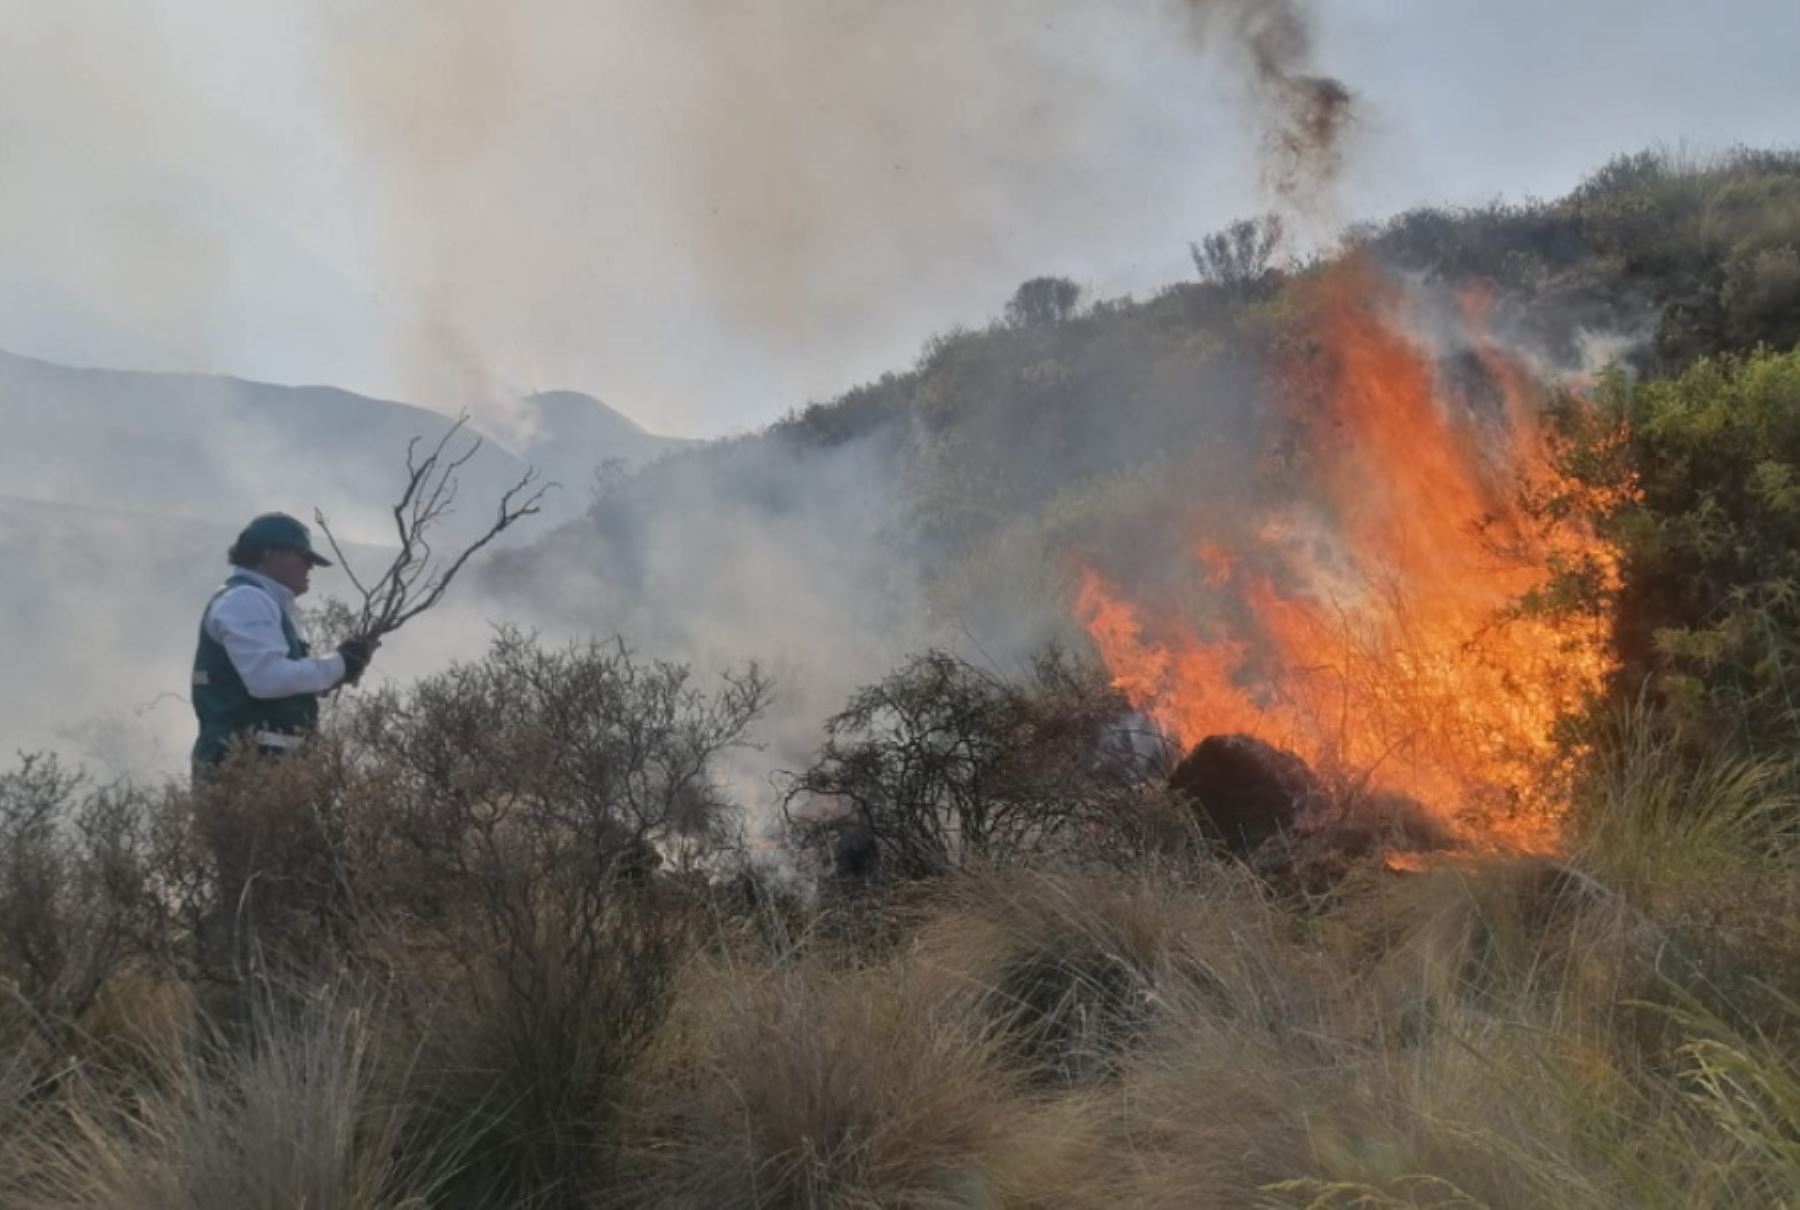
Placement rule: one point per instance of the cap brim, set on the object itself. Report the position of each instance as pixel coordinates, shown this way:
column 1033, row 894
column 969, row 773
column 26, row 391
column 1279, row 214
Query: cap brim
column 316, row 560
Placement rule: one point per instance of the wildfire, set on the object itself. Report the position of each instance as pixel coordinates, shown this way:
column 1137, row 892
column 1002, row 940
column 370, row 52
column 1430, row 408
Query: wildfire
column 1369, row 630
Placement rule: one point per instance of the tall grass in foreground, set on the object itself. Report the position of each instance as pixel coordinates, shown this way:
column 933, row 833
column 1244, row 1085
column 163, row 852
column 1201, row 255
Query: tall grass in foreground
column 1488, row 1033
column 1613, row 1031
column 1653, row 818
column 294, row 1115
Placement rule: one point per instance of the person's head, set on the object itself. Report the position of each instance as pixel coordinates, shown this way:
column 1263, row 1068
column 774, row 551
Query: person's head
column 280, row 547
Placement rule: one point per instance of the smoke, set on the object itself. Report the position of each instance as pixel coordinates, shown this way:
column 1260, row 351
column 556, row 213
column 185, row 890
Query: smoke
column 706, row 212
column 1303, row 115
column 710, row 212
column 798, row 557
column 530, row 190
column 810, row 181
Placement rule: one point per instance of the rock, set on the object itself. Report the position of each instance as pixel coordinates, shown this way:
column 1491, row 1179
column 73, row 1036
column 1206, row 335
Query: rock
column 1245, row 791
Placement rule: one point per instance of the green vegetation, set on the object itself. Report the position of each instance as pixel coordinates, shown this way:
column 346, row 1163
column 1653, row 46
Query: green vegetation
column 499, row 938
column 1696, row 479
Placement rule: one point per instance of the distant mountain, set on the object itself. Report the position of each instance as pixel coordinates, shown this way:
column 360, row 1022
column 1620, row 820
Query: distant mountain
column 220, row 449
column 569, row 436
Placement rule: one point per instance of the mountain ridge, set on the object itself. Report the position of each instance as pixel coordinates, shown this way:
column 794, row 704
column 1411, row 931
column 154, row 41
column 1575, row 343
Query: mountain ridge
column 178, row 443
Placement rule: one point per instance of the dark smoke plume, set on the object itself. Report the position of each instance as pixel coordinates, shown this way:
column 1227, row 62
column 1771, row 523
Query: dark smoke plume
column 1304, row 114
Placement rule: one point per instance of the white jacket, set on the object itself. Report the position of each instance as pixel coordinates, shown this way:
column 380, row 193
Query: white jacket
column 246, row 621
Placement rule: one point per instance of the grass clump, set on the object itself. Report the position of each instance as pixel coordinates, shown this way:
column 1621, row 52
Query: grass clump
column 295, row 1115
column 807, row 1087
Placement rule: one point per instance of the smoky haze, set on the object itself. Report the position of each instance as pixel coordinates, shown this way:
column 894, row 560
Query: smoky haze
column 706, row 212
column 804, row 164
column 793, row 162
column 707, row 215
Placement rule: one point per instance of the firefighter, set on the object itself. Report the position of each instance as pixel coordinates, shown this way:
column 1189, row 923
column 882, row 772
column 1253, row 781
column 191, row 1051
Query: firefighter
column 256, row 680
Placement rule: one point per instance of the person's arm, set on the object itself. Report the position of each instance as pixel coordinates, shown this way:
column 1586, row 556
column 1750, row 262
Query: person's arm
column 247, row 621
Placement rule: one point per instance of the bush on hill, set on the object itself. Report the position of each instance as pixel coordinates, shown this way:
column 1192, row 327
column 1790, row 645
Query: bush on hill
column 1694, row 478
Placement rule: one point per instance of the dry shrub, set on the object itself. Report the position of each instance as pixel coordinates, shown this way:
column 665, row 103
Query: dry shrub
column 270, row 886
column 492, row 845
column 76, row 900
column 516, row 880
column 534, row 821
column 942, row 765
column 587, row 747
column 522, row 1047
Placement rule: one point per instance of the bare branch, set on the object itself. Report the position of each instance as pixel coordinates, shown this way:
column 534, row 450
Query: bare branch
column 414, row 581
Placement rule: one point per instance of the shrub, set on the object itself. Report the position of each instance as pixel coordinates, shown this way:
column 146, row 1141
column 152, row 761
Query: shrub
column 583, row 758
column 1237, row 257
column 515, row 866
column 1697, row 481
column 521, row 1046
column 76, row 900
column 1042, row 301
column 942, row 764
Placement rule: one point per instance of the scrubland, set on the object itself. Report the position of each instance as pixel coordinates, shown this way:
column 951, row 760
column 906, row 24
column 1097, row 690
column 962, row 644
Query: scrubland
column 417, row 970
column 506, row 937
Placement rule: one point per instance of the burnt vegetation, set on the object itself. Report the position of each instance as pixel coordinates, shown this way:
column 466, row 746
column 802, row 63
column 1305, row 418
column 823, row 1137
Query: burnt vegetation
column 513, row 935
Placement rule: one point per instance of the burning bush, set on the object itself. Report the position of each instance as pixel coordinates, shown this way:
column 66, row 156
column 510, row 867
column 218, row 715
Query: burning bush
column 1367, row 630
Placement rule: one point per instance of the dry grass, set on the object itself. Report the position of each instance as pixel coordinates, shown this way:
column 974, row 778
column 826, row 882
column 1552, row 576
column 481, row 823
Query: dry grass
column 1499, row 1035
column 1613, row 1030
column 813, row 1087
column 292, row 1117
column 1078, row 970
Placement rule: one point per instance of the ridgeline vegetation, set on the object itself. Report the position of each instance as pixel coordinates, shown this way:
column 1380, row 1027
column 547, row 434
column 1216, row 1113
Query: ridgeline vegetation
column 503, row 936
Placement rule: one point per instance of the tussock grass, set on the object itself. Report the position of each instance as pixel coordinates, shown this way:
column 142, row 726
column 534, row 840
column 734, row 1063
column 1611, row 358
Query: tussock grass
column 1077, row 969
column 559, row 1027
column 1496, row 1034
column 814, row 1087
column 1654, row 820
column 294, row 1117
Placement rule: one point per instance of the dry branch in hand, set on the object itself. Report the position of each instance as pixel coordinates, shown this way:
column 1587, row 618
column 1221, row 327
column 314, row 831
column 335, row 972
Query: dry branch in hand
column 414, row 581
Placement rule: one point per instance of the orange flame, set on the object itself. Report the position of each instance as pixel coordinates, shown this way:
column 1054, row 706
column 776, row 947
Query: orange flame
column 1376, row 642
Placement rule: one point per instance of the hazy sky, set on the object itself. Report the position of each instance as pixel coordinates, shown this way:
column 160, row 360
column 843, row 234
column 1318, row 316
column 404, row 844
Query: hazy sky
column 708, row 212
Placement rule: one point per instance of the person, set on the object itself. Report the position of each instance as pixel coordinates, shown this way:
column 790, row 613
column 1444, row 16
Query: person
column 256, row 680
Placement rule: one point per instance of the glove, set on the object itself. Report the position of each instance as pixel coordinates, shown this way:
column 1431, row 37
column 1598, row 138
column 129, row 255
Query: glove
column 357, row 653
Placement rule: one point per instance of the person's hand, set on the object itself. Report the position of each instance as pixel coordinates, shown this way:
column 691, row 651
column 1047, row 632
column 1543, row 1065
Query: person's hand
column 357, row 653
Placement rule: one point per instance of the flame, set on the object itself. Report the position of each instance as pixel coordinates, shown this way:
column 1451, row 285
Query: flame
column 1367, row 629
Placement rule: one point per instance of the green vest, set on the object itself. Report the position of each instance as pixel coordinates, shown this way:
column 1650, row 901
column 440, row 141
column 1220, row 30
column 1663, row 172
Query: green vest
column 224, row 706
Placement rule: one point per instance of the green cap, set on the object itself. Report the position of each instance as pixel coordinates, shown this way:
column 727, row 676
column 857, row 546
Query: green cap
column 279, row 529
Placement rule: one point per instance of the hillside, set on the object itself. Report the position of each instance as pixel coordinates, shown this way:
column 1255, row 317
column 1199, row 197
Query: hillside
column 963, row 484
column 1411, row 817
